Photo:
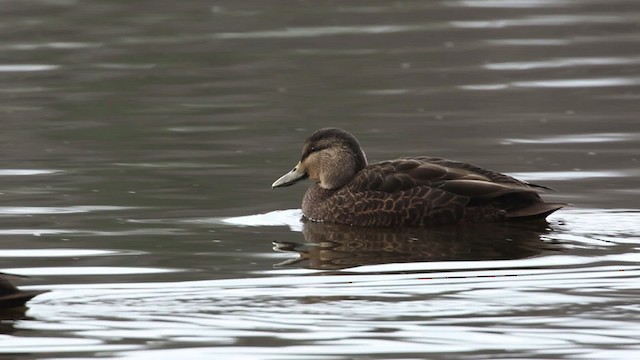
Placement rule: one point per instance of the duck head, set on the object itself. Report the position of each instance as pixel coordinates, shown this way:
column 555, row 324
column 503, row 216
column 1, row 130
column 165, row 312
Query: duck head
column 330, row 157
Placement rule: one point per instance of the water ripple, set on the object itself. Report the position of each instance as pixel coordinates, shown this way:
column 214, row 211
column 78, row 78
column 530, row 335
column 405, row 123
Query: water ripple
column 576, row 139
column 599, row 39
column 213, row 128
column 563, row 62
column 27, row 67
column 529, row 42
column 518, row 4
column 28, row 172
column 39, row 210
column 51, row 45
column 579, row 83
column 420, row 307
column 427, row 310
column 572, row 175
column 48, row 253
column 289, row 218
column 125, row 66
column 86, row 270
column 546, row 20
column 558, row 83
column 135, row 232
column 175, row 165
column 47, row 345
column 303, row 32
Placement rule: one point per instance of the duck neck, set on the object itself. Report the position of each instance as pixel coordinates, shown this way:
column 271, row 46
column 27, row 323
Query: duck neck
column 341, row 170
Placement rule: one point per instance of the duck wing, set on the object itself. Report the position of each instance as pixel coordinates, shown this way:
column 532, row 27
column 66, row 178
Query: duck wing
column 450, row 176
column 445, row 184
column 473, row 170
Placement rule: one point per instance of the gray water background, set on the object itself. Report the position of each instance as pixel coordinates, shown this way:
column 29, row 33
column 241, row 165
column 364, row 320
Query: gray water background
column 139, row 141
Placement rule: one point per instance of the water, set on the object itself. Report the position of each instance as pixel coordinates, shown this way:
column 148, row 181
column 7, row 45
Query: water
column 140, row 140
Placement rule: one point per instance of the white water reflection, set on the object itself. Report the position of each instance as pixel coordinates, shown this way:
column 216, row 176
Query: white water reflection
column 304, row 32
column 28, row 172
column 86, row 270
column 27, row 67
column 546, row 20
column 290, row 218
column 51, row 45
column 213, row 128
column 39, row 210
column 570, row 175
column 560, row 83
column 570, row 40
column 47, row 253
column 576, row 138
column 529, row 42
column 580, row 83
column 511, row 3
column 51, row 345
column 176, row 165
column 485, row 87
column 564, row 62
column 134, row 232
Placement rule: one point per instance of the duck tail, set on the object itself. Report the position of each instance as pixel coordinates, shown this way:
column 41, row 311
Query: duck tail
column 11, row 296
column 18, row 299
column 534, row 211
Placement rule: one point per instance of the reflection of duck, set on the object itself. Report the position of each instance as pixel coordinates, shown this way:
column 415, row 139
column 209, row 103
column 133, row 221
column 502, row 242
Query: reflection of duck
column 335, row 246
column 11, row 296
column 415, row 191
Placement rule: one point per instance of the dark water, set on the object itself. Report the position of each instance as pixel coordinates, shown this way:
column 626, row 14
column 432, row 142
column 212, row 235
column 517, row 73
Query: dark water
column 139, row 141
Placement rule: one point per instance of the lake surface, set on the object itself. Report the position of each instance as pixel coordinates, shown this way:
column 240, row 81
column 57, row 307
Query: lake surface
column 140, row 139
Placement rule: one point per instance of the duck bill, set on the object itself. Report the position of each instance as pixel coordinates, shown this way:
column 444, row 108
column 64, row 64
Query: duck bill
column 291, row 177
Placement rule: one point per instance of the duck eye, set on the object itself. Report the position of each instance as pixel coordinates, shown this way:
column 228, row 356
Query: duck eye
column 310, row 150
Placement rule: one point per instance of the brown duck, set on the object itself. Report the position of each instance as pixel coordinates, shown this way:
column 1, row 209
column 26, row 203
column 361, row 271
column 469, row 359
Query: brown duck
column 415, row 191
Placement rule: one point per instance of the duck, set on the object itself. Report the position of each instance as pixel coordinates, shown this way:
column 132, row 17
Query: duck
column 419, row 191
column 11, row 297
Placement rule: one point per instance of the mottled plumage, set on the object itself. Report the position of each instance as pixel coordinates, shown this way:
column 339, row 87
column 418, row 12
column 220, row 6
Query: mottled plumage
column 417, row 191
